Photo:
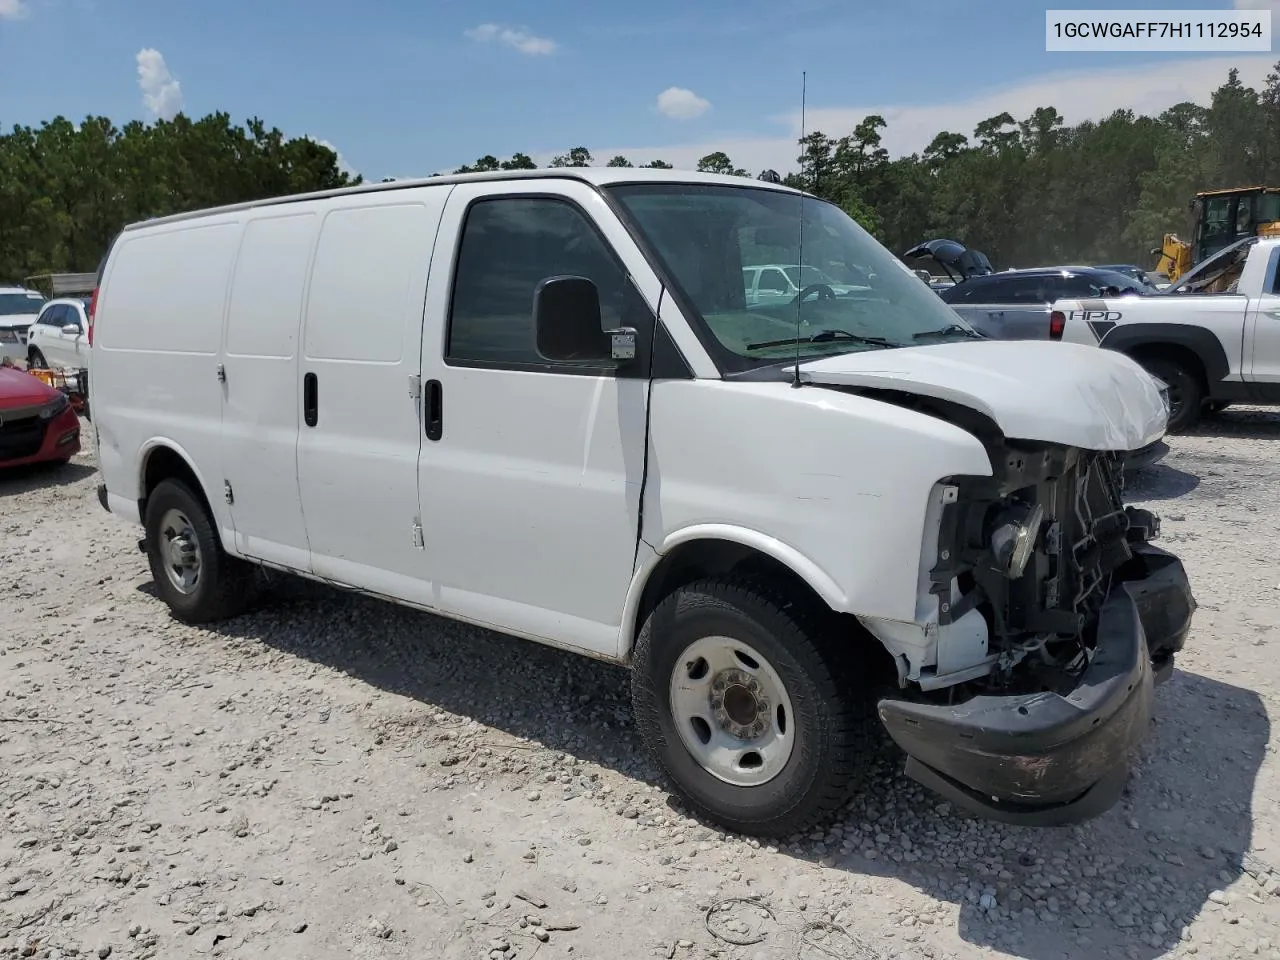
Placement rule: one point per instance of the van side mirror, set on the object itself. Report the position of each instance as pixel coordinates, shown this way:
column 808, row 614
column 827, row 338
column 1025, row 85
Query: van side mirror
column 567, row 325
column 71, row 329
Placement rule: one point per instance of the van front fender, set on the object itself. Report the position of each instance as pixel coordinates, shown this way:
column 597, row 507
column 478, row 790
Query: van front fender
column 783, row 553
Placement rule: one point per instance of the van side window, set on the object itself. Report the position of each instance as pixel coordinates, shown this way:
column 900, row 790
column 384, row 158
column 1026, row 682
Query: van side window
column 509, row 246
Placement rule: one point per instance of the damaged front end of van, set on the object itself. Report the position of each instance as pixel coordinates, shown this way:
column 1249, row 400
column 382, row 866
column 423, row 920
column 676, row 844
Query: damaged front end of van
column 1082, row 614
column 1045, row 612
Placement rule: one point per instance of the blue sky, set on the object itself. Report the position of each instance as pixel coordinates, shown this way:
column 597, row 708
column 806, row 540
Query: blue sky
column 403, row 88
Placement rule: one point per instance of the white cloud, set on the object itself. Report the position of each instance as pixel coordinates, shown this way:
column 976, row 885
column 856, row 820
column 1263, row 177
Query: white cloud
column 517, row 38
column 1078, row 95
column 161, row 92
column 12, row 9
column 681, row 104
column 342, row 161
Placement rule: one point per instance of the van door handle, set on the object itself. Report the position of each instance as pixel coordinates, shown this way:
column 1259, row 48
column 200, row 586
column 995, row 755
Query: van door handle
column 310, row 399
column 434, row 410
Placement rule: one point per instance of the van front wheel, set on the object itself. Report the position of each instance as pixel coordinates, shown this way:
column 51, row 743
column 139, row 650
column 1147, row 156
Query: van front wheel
column 749, row 706
column 193, row 574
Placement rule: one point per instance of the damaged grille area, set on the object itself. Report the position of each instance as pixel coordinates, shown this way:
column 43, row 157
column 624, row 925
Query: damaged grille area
column 1034, row 549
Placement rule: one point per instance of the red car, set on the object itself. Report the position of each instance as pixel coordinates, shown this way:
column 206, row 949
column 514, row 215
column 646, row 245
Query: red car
column 37, row 424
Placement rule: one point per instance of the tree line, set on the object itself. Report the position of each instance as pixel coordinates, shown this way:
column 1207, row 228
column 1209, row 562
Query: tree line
column 1029, row 191
column 67, row 189
column 1033, row 191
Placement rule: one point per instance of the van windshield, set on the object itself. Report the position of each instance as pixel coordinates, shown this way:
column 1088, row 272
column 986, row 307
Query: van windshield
column 856, row 296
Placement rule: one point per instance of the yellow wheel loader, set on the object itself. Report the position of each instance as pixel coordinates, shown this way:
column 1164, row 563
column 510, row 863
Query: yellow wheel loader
column 1219, row 218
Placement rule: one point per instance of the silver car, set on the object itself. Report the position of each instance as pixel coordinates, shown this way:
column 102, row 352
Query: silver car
column 1016, row 304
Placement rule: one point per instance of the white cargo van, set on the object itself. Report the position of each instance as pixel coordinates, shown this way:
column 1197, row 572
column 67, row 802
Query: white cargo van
column 541, row 402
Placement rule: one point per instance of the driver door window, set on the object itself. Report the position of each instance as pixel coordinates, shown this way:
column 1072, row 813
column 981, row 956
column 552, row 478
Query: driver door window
column 54, row 316
column 774, row 282
column 509, row 246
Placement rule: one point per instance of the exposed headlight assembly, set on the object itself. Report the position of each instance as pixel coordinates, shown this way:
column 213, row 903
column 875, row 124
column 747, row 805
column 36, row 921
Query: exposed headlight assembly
column 1014, row 538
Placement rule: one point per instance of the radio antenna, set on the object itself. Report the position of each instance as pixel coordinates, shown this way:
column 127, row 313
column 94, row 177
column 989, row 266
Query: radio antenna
column 795, row 382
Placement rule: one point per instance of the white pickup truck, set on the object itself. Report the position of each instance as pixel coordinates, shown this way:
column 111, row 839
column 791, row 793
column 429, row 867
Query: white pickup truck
column 1213, row 337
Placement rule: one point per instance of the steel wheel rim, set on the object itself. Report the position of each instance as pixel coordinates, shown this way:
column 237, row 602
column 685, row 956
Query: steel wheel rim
column 732, row 711
column 179, row 549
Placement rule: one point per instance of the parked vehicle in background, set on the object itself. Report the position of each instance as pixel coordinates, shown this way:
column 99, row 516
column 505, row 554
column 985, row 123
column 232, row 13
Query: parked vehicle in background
column 1015, row 304
column 1213, row 337
column 37, row 424
column 59, row 335
column 1217, row 219
column 777, row 284
column 788, row 520
column 19, row 308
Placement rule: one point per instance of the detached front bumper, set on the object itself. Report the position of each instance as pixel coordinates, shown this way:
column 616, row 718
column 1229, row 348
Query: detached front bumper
column 1045, row 759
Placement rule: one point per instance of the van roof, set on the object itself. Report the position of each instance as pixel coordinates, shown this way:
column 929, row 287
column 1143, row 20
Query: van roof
column 596, row 176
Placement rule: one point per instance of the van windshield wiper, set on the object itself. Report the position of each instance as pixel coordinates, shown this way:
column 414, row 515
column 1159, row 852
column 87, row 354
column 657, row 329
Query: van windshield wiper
column 825, row 336
column 948, row 331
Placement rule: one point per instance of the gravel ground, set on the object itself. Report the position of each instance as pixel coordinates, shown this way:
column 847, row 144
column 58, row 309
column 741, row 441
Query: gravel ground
column 337, row 777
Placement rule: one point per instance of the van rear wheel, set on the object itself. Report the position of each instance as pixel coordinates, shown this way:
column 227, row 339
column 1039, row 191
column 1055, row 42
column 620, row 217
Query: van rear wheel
column 746, row 700
column 193, row 574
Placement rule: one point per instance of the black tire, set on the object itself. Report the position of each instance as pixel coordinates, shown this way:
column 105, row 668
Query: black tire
column 1186, row 393
column 226, row 585
column 831, row 706
column 36, row 360
column 1216, row 406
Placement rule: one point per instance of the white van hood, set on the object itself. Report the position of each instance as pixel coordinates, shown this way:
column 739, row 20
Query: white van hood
column 1064, row 393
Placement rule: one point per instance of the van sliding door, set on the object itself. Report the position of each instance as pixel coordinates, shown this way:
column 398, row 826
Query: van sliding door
column 361, row 434
column 260, row 369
